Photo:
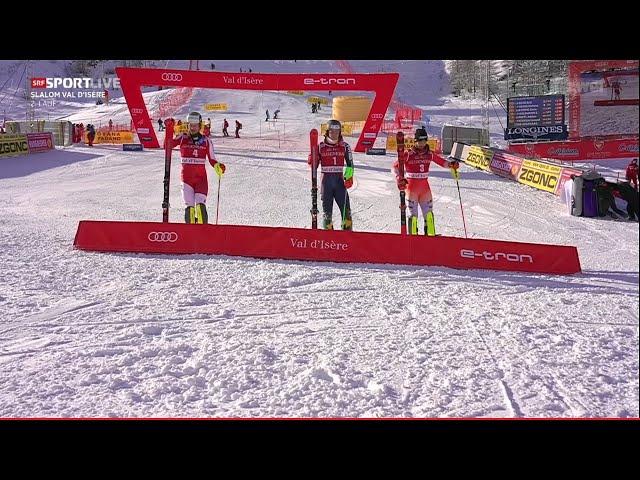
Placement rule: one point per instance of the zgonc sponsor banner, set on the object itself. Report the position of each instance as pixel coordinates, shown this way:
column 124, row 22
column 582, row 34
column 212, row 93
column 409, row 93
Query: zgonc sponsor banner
column 542, row 176
column 11, row 145
column 479, row 157
column 325, row 245
column 40, row 142
column 112, row 137
column 580, row 150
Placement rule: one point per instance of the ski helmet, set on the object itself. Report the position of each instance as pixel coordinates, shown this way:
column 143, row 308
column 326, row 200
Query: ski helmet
column 333, row 125
column 421, row 134
column 194, row 117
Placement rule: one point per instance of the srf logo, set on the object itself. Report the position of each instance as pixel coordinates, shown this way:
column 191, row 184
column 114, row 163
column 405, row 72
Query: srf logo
column 39, row 82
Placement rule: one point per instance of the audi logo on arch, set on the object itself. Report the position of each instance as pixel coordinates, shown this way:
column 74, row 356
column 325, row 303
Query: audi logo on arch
column 162, row 236
column 172, row 77
column 136, row 110
column 376, row 116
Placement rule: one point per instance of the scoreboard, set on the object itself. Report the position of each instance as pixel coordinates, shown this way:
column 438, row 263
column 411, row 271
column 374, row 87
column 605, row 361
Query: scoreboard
column 541, row 111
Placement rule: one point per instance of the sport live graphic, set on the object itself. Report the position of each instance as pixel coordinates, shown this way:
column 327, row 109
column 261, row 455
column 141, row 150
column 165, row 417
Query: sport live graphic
column 72, row 87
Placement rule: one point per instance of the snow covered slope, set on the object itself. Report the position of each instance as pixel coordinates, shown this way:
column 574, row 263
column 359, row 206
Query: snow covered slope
column 102, row 335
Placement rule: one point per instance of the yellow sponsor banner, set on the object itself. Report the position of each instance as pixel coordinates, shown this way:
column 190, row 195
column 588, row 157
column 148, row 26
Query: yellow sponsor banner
column 11, row 145
column 321, row 100
column 409, row 142
column 479, row 157
column 542, row 176
column 296, row 92
column 182, row 128
column 347, row 129
column 215, row 107
column 112, row 137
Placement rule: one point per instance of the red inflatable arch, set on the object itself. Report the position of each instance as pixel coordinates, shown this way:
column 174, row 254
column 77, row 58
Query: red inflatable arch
column 132, row 80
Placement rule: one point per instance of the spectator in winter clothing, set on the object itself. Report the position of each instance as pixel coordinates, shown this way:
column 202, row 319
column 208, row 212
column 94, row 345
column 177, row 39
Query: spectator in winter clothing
column 225, row 125
column 629, row 194
column 91, row 134
column 632, row 173
column 606, row 192
column 238, row 127
column 334, row 155
column 416, row 181
column 160, row 125
column 110, row 124
column 267, row 113
column 275, row 114
column 615, row 90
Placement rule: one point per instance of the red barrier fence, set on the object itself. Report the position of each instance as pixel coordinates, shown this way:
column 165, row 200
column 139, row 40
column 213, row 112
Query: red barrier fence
column 325, row 246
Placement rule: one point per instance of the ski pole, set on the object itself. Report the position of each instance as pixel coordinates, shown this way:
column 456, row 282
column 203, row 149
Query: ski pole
column 456, row 175
column 218, row 202
column 344, row 210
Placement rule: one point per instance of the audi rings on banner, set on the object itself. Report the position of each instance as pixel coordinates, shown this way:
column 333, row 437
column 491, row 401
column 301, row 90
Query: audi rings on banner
column 163, row 237
column 172, row 77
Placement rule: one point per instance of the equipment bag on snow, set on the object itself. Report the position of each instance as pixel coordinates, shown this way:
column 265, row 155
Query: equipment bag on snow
column 589, row 198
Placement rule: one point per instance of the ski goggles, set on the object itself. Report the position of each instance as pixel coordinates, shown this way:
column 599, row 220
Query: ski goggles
column 334, row 127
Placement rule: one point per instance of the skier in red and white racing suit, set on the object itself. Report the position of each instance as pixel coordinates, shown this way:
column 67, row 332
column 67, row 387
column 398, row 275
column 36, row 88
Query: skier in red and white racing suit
column 195, row 148
column 416, row 178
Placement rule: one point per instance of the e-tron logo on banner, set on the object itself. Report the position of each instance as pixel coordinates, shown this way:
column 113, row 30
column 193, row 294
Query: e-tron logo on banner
column 162, row 236
column 330, row 81
column 511, row 257
column 172, row 77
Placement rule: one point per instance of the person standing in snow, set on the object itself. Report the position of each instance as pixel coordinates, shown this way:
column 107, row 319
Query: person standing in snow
column 416, row 181
column 195, row 148
column 267, row 113
column 225, row 125
column 238, row 127
column 91, row 134
column 632, row 173
column 334, row 156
